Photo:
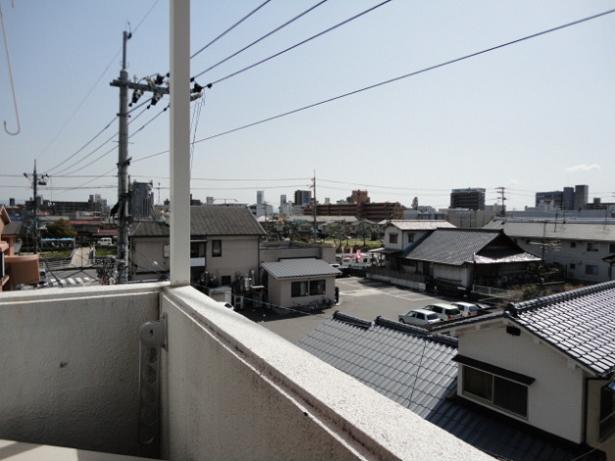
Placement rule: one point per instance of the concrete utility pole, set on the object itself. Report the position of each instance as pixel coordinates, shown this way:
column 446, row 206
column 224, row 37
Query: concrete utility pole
column 502, row 191
column 314, row 215
column 36, row 181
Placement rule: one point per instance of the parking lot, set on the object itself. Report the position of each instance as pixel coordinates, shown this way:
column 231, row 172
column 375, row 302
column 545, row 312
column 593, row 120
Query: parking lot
column 362, row 298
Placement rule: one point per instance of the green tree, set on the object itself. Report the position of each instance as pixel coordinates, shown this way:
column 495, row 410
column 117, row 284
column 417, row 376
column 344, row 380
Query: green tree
column 60, row 228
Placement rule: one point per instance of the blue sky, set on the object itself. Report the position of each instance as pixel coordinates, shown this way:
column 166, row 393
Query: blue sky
column 536, row 116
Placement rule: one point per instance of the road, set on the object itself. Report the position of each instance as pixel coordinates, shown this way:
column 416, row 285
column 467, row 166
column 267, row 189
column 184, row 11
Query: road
column 362, row 298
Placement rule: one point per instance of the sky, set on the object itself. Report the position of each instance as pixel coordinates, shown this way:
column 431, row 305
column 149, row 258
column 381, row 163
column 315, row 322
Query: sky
column 535, row 116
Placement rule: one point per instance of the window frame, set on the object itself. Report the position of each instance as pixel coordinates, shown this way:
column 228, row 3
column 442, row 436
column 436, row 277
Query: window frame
column 490, row 402
column 592, row 247
column 594, row 271
column 216, row 248
column 393, row 238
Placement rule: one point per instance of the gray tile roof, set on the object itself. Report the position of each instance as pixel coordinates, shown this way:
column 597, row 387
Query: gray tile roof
column 206, row 220
column 580, row 323
column 414, row 368
column 420, row 224
column 301, row 267
column 454, row 246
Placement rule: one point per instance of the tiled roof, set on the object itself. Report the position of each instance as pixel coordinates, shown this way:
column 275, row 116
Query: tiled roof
column 580, row 323
column 300, row 267
column 550, row 230
column 452, row 246
column 206, row 220
column 420, row 224
column 414, row 368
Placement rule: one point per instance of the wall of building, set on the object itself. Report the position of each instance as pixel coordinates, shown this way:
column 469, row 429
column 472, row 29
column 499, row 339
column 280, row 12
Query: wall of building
column 234, row 391
column 239, row 255
column 555, row 399
column 70, row 365
column 460, row 274
column 148, row 254
column 274, row 254
column 594, row 387
column 279, row 292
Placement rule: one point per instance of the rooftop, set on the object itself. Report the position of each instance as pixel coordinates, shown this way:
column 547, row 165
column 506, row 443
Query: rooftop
column 300, row 267
column 420, row 224
column 415, row 369
column 550, row 229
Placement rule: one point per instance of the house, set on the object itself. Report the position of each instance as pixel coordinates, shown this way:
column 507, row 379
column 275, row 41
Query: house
column 419, row 370
column 14, row 270
column 456, row 259
column 301, row 283
column 579, row 246
column 224, row 246
column 548, row 362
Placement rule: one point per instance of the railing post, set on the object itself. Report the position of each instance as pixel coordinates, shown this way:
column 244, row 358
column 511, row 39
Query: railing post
column 180, row 141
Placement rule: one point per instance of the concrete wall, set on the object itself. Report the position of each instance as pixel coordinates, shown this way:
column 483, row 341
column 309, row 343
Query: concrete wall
column 235, row 391
column 69, row 365
column 279, row 292
column 460, row 274
column 555, row 399
column 144, row 251
column 275, row 254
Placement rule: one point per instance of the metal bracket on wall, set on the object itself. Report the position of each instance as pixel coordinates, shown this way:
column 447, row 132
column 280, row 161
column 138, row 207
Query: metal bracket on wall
column 152, row 337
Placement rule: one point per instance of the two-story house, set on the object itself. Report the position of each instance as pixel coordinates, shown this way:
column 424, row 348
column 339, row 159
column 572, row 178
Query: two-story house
column 548, row 363
column 580, row 247
column 224, row 246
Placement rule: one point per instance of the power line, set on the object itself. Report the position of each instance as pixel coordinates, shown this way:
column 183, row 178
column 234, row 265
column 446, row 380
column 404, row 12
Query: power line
column 261, row 38
column 222, row 34
column 11, row 80
column 296, row 45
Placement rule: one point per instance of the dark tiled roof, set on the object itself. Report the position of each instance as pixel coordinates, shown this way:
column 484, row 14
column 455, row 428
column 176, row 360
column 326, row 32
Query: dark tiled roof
column 414, row 368
column 580, row 323
column 209, row 220
column 452, row 246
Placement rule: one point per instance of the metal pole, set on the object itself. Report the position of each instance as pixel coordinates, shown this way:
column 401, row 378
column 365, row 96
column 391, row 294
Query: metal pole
column 180, row 141
column 314, row 208
column 35, row 218
column 122, row 171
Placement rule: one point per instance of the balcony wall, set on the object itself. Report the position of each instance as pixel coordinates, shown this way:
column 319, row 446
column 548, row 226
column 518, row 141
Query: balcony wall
column 68, row 365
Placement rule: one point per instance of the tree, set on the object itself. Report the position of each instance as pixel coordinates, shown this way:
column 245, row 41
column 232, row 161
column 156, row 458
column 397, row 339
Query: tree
column 61, row 228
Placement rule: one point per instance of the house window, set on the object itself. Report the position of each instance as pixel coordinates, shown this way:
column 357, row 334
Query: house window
column 225, row 280
column 592, row 246
column 573, row 244
column 197, row 249
column 573, row 266
column 216, row 248
column 410, row 238
column 591, row 269
column 317, row 287
column 496, row 391
column 611, row 247
column 393, row 238
column 298, row 289
column 607, row 411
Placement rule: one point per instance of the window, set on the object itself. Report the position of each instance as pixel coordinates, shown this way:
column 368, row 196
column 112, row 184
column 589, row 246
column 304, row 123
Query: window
column 197, row 249
column 591, row 269
column 573, row 266
column 573, row 244
column 499, row 392
column 410, row 238
column 298, row 289
column 225, row 280
column 611, row 247
column 592, row 246
column 317, row 287
column 216, row 248
column 393, row 238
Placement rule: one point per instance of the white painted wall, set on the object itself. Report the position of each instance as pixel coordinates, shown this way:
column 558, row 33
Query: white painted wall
column 239, row 254
column 460, row 274
column 275, row 254
column 69, row 365
column 280, row 291
column 236, row 391
column 555, row 399
column 144, row 251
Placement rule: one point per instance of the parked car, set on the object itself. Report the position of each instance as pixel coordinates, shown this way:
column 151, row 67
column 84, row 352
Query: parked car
column 445, row 311
column 420, row 317
column 467, row 309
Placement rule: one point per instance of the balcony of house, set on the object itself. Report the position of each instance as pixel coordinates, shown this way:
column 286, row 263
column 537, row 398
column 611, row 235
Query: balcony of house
column 165, row 372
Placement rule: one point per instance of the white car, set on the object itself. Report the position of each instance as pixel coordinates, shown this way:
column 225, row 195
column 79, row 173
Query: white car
column 467, row 309
column 445, row 311
column 420, row 317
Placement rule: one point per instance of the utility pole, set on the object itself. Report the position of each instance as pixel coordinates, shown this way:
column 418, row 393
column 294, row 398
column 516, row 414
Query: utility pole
column 36, row 181
column 314, row 207
column 159, row 202
column 502, row 191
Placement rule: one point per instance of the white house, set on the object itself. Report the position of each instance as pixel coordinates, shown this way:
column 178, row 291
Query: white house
column 580, row 247
column 548, row 362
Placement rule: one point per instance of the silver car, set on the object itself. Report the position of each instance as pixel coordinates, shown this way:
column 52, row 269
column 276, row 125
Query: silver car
column 420, row 317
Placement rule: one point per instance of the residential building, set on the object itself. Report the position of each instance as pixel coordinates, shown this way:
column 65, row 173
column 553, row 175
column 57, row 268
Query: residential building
column 568, row 198
column 418, row 369
column 209, row 200
column 261, row 210
column 299, row 284
column 273, row 251
column 401, row 234
column 358, row 196
column 303, row 197
column 15, row 270
column 581, row 196
column 464, row 218
column 141, row 200
column 456, row 259
column 373, row 211
column 548, row 362
column 553, row 199
column 224, row 246
column 472, row 198
column 578, row 246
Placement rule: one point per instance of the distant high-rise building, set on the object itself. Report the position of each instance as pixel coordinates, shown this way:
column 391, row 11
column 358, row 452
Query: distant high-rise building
column 568, row 198
column 553, row 199
column 209, row 200
column 283, row 200
column 260, row 197
column 358, row 196
column 327, row 200
column 11, row 202
column 472, row 198
column 303, row 197
column 581, row 196
column 141, row 200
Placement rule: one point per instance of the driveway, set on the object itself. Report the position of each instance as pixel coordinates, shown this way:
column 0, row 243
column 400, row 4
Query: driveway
column 362, row 298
